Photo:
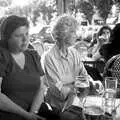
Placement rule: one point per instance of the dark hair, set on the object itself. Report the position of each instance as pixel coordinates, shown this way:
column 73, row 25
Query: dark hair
column 102, row 28
column 116, row 33
column 9, row 25
column 100, row 32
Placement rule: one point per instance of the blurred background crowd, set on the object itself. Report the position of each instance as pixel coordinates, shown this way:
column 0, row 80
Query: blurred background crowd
column 96, row 18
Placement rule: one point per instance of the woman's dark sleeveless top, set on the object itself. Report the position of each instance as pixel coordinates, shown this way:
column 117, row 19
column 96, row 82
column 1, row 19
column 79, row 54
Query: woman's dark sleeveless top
column 20, row 85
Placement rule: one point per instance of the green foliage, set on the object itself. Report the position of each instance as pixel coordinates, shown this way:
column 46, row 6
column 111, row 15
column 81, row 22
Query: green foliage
column 35, row 9
column 87, row 9
column 46, row 10
column 94, row 2
column 5, row 3
column 104, row 8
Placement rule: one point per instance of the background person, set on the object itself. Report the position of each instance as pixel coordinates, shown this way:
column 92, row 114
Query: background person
column 111, row 53
column 109, row 50
column 101, row 38
column 20, row 72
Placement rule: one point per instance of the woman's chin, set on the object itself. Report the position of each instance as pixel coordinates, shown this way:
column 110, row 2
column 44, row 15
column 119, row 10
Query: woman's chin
column 24, row 47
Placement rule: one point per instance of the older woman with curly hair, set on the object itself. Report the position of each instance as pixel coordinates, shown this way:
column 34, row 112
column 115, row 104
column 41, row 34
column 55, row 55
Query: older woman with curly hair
column 62, row 63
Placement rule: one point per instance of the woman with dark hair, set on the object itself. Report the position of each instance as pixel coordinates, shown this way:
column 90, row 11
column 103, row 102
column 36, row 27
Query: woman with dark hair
column 112, row 48
column 21, row 86
column 105, row 31
column 101, row 38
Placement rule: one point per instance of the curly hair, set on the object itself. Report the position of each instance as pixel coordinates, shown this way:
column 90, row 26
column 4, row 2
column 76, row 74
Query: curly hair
column 62, row 26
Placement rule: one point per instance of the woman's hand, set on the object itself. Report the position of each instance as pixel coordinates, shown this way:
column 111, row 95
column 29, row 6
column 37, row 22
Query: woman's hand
column 65, row 90
column 99, row 86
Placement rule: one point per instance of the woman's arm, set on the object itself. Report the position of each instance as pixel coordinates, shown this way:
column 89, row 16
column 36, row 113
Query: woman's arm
column 39, row 98
column 96, row 56
column 9, row 106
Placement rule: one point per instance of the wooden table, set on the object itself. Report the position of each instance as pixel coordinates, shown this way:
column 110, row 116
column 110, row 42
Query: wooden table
column 95, row 100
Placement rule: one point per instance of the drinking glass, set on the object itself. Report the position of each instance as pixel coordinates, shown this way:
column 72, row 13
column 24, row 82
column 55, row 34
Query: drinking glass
column 111, row 83
column 109, row 93
column 82, row 88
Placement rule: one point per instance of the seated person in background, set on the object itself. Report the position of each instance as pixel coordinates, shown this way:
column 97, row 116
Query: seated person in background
column 81, row 47
column 21, row 87
column 113, row 47
column 102, row 37
column 62, row 63
column 39, row 47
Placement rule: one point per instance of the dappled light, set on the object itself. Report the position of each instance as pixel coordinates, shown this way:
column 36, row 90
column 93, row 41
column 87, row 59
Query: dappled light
column 21, row 2
column 41, row 13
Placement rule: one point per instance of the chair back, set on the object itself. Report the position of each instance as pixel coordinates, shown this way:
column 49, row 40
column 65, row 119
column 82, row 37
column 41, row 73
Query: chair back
column 112, row 68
